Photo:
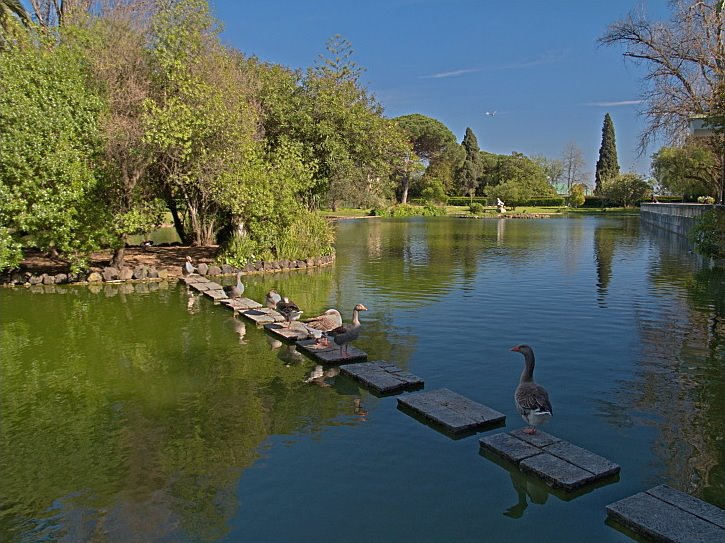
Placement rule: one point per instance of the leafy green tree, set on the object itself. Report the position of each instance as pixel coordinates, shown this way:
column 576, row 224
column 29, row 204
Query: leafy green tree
column 357, row 151
column 607, row 165
column 470, row 173
column 515, row 178
column 121, row 69
column 626, row 189
column 50, row 144
column 577, row 194
column 200, row 119
column 12, row 12
column 693, row 169
column 432, row 142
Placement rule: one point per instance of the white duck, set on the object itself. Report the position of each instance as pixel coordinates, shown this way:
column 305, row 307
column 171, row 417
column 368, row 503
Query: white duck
column 322, row 324
column 188, row 268
column 347, row 333
column 272, row 299
column 532, row 400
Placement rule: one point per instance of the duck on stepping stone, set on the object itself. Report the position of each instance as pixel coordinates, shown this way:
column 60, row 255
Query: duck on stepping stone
column 532, row 400
column 347, row 333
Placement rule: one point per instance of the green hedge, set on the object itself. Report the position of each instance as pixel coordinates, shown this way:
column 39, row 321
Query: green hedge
column 540, row 201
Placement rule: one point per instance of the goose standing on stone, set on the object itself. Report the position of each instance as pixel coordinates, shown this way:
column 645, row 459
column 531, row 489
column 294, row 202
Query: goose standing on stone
column 532, row 400
column 272, row 299
column 347, row 333
column 288, row 310
column 235, row 291
column 189, row 268
column 322, row 324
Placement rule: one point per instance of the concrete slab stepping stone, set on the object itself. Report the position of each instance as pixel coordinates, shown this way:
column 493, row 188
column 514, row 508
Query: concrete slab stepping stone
column 330, row 354
column 241, row 304
column 262, row 315
column 665, row 514
column 453, row 412
column 295, row 332
column 382, row 377
column 559, row 463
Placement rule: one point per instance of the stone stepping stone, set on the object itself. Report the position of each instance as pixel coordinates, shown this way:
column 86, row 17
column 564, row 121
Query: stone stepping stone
column 241, row 304
column 297, row 331
column 215, row 294
column 382, row 377
column 191, row 279
column 455, row 413
column 665, row 514
column 558, row 462
column 262, row 315
column 331, row 353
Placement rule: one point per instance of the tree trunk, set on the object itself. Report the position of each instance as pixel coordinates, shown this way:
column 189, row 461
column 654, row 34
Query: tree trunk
column 404, row 191
column 118, row 256
column 178, row 223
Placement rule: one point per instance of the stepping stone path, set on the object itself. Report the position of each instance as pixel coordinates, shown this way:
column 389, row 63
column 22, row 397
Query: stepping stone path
column 558, row 462
column 382, row 377
column 330, row 354
column 455, row 413
column 241, row 304
column 665, row 514
column 296, row 331
column 262, row 315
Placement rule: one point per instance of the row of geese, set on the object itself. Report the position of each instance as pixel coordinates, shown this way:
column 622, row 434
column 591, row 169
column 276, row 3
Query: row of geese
column 325, row 326
column 532, row 400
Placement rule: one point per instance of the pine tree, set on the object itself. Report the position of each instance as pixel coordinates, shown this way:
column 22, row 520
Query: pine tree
column 469, row 175
column 607, row 165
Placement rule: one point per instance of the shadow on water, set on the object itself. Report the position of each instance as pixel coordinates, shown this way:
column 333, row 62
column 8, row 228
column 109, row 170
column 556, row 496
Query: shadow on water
column 533, row 490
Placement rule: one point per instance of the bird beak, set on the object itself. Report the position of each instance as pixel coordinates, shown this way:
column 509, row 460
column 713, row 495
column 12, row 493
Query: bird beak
column 516, row 349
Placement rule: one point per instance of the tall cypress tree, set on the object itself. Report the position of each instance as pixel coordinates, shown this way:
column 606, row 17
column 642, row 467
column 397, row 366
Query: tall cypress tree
column 469, row 175
column 607, row 165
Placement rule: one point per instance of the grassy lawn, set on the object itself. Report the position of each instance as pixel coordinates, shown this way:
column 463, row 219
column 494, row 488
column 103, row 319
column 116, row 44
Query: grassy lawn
column 490, row 211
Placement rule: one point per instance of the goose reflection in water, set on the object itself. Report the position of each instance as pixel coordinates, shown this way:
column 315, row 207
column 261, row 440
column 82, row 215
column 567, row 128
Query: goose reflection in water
column 273, row 343
column 360, row 410
column 192, row 303
column 319, row 376
column 289, row 355
column 241, row 329
column 527, row 489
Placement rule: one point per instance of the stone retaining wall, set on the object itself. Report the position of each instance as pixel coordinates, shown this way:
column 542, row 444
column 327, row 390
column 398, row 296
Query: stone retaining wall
column 141, row 274
column 675, row 218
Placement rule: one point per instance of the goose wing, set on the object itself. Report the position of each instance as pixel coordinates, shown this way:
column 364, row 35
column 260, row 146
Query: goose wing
column 532, row 397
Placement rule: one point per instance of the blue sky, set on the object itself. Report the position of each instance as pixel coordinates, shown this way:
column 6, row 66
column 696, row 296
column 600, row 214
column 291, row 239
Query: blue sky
column 536, row 64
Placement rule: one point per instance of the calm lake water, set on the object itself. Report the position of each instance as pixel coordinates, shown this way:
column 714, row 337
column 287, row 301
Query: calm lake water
column 149, row 415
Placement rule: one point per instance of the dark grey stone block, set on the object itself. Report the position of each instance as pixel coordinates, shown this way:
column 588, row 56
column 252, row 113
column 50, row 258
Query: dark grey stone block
column 382, row 377
column 509, row 447
column 262, row 315
column 539, row 439
column 691, row 504
column 330, row 354
column 662, row 521
column 556, row 472
column 587, row 460
column 454, row 412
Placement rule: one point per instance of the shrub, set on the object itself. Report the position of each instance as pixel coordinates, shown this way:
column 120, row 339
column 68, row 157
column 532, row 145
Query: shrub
column 407, row 210
column 705, row 200
column 476, row 208
column 308, row 235
column 708, row 234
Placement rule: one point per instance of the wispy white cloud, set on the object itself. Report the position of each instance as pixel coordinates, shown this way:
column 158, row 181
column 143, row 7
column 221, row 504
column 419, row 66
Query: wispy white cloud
column 452, row 73
column 614, row 104
column 547, row 57
column 552, row 56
